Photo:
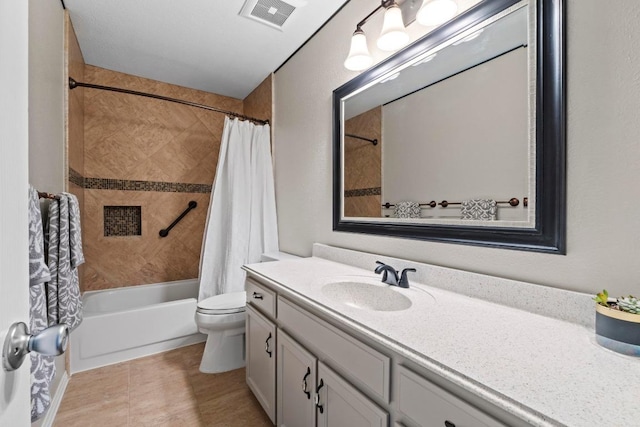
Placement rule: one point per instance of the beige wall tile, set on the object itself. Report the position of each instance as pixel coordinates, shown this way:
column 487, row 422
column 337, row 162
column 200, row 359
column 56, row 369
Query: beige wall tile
column 134, row 138
column 363, row 167
column 259, row 103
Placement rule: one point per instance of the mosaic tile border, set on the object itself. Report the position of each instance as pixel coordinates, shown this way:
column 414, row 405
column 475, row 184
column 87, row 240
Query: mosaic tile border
column 76, row 178
column 358, row 192
column 131, row 185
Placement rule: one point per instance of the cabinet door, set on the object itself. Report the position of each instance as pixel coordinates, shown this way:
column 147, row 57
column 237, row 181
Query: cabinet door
column 340, row 404
column 261, row 360
column 296, row 383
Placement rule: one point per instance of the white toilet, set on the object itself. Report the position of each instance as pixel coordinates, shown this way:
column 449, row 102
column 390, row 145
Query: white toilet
column 222, row 319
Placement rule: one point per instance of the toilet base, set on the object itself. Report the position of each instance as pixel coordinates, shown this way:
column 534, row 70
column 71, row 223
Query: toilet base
column 224, row 351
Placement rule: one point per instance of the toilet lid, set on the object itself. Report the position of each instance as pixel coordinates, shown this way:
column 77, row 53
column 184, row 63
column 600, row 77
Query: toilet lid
column 232, row 302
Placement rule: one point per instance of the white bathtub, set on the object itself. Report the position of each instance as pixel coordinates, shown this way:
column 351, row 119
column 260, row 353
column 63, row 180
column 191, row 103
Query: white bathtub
column 136, row 321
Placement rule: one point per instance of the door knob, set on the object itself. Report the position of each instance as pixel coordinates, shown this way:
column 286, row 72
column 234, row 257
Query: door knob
column 18, row 343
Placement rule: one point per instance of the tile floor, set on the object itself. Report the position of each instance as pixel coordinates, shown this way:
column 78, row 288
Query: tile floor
column 165, row 389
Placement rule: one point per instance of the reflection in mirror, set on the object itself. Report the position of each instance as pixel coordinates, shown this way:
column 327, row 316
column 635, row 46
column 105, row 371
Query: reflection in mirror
column 453, row 125
column 469, row 131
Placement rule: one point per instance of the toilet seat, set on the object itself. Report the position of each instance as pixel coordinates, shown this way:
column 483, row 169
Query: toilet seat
column 229, row 303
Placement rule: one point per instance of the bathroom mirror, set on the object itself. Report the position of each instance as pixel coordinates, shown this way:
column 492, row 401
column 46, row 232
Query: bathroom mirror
column 459, row 137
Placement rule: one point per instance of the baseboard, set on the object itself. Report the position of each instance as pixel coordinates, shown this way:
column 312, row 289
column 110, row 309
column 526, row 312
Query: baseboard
column 50, row 416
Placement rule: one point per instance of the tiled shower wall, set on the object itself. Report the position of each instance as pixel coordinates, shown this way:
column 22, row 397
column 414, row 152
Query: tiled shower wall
column 362, row 165
column 158, row 156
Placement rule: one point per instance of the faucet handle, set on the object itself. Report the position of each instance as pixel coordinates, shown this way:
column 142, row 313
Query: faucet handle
column 381, row 268
column 404, row 280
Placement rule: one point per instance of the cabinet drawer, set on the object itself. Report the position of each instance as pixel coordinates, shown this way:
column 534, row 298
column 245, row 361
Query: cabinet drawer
column 428, row 405
column 362, row 365
column 261, row 297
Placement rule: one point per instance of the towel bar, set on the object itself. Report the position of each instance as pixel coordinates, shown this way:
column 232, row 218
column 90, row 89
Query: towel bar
column 432, row 204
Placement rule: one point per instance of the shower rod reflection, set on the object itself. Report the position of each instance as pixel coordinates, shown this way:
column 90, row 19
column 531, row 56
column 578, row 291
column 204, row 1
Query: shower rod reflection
column 74, row 84
column 373, row 141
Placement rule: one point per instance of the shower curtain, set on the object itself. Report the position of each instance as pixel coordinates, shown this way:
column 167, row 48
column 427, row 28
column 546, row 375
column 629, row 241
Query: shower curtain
column 241, row 222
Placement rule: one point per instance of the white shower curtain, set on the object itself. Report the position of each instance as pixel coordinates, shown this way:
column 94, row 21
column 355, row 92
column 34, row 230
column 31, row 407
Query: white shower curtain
column 241, row 223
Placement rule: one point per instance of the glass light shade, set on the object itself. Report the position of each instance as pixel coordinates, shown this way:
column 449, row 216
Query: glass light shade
column 436, row 12
column 393, row 35
column 359, row 57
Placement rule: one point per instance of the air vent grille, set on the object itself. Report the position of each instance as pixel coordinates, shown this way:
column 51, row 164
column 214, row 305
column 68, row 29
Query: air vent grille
column 270, row 12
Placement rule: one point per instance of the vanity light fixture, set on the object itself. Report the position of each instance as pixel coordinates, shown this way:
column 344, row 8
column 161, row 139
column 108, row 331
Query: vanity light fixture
column 359, row 57
column 394, row 34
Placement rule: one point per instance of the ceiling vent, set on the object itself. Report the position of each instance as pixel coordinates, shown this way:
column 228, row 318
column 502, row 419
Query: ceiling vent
column 273, row 13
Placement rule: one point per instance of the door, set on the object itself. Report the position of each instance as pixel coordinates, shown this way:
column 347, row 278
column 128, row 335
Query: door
column 340, row 404
column 261, row 360
column 14, row 263
column 296, row 383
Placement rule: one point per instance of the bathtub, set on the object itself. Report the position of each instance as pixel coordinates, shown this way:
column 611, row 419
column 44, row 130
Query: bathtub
column 126, row 323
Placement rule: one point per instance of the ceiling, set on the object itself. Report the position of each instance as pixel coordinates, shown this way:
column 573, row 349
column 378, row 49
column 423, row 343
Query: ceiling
column 201, row 44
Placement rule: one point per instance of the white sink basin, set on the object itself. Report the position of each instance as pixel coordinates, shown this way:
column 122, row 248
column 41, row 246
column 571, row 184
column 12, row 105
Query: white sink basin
column 368, row 296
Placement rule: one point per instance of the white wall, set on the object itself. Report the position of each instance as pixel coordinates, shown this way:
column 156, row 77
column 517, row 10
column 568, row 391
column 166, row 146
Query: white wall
column 466, row 137
column 603, row 162
column 46, row 96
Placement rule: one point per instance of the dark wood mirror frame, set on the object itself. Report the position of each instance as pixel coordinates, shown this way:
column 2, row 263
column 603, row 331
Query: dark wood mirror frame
column 549, row 233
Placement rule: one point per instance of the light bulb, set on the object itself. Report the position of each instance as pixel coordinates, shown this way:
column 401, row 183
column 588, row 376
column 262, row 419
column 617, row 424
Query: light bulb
column 393, row 35
column 359, row 57
column 436, row 12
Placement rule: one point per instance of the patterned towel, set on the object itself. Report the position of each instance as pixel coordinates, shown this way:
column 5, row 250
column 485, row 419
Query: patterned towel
column 75, row 232
column 63, row 291
column 407, row 210
column 43, row 368
column 479, row 209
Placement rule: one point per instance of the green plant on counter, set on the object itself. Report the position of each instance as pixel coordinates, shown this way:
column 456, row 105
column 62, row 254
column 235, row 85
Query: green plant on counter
column 629, row 304
column 602, row 298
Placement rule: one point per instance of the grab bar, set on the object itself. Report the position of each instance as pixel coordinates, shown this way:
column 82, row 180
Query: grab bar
column 165, row 232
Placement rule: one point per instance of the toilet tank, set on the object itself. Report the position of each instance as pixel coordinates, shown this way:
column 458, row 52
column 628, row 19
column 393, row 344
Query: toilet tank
column 276, row 256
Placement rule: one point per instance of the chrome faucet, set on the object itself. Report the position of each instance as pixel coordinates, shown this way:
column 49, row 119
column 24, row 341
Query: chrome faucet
column 390, row 275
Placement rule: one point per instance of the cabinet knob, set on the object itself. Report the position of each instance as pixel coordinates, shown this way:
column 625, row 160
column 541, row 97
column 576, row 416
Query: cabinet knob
column 267, row 346
column 304, row 383
column 317, row 398
column 448, row 423
column 257, row 295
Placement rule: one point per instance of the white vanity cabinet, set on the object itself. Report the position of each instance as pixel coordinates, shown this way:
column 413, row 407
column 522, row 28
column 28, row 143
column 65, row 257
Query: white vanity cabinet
column 261, row 360
column 424, row 404
column 340, row 404
column 310, row 393
column 296, row 383
column 306, row 371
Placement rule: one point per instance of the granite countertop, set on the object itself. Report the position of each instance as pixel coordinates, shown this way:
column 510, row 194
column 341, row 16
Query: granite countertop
column 546, row 371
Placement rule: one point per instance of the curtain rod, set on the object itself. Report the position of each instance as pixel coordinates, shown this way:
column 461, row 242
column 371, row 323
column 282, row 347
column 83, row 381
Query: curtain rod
column 74, row 84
